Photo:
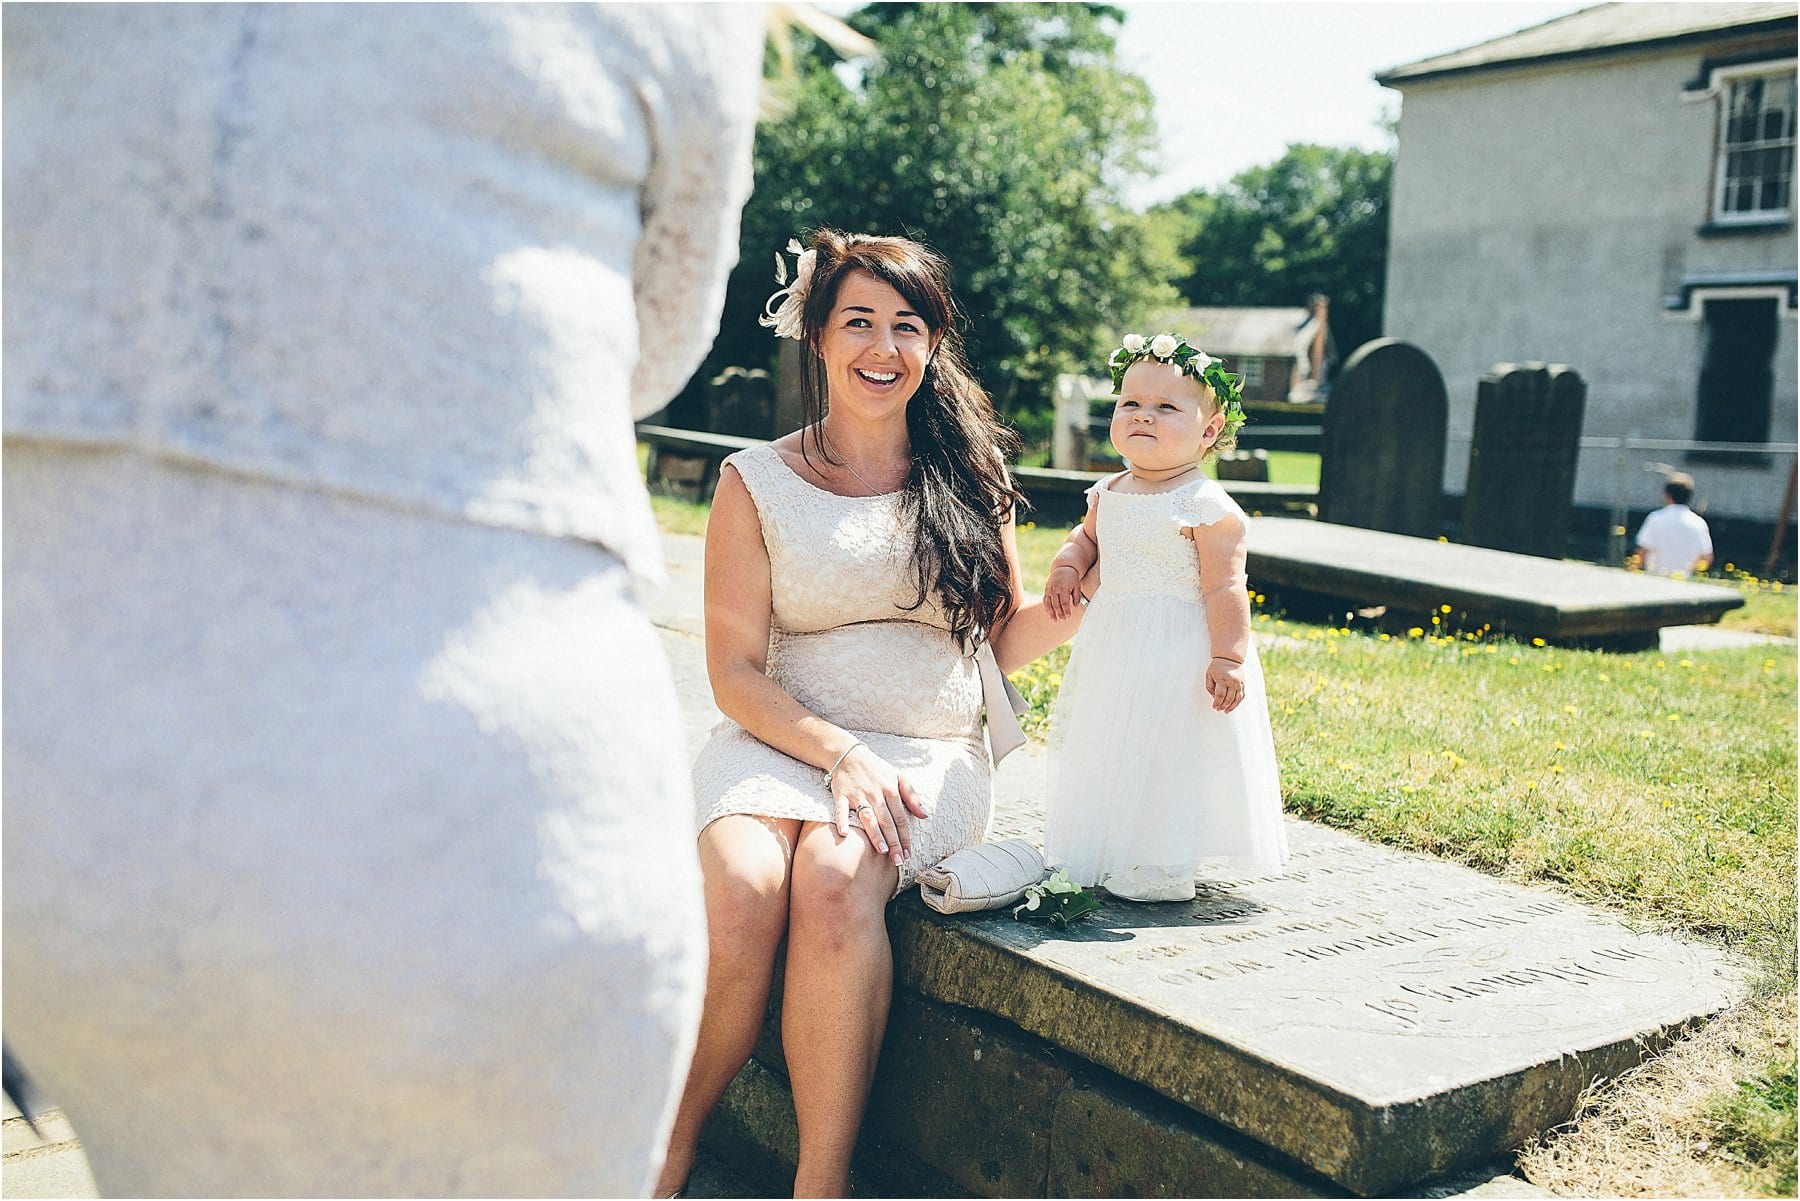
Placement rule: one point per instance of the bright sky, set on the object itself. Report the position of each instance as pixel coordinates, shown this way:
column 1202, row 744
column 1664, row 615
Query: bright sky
column 1236, row 82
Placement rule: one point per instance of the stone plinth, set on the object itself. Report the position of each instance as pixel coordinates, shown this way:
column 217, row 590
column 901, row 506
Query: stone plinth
column 1556, row 600
column 1374, row 1016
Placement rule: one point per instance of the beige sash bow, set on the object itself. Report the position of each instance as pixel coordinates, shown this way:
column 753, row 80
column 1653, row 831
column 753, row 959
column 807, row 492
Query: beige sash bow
column 1003, row 704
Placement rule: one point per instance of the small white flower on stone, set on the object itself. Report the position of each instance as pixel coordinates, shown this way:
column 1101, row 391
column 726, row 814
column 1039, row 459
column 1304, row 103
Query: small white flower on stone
column 1134, row 343
column 1163, row 345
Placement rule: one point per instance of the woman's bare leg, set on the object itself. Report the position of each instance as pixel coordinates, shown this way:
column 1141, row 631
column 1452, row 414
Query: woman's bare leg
column 745, row 862
column 840, row 972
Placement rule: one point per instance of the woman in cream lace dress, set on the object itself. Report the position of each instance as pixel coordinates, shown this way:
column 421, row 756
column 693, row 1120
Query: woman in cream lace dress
column 862, row 597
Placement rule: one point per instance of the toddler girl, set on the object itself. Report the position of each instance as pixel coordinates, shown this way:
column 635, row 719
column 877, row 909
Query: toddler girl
column 1161, row 756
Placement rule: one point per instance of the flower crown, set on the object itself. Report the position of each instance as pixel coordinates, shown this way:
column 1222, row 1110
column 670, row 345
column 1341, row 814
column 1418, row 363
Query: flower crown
column 1170, row 348
column 785, row 311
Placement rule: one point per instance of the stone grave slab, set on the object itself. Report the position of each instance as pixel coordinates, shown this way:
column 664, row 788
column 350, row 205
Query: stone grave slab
column 1377, row 1016
column 1557, row 600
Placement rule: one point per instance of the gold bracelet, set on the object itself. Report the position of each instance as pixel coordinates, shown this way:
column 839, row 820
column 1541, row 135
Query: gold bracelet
column 832, row 770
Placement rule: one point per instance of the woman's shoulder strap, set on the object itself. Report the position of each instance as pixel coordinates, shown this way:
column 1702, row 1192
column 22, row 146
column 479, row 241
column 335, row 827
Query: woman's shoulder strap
column 758, row 465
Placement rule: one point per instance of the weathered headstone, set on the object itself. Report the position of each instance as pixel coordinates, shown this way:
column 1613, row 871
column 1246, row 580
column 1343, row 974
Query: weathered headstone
column 742, row 402
column 1245, row 465
column 1382, row 455
column 1528, row 597
column 1070, row 435
column 1371, row 1019
column 1521, row 487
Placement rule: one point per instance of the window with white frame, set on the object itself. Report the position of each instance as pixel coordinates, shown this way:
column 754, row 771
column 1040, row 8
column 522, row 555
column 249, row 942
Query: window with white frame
column 1252, row 370
column 1755, row 173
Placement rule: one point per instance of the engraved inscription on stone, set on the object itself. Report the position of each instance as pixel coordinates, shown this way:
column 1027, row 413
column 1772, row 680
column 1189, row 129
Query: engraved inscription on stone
column 1358, row 953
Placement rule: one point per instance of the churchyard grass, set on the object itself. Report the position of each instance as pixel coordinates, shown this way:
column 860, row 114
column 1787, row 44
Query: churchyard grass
column 1770, row 606
column 1293, row 468
column 1660, row 786
column 675, row 515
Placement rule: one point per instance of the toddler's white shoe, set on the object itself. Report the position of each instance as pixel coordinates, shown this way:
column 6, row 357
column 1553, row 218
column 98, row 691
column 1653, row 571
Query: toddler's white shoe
column 1150, row 884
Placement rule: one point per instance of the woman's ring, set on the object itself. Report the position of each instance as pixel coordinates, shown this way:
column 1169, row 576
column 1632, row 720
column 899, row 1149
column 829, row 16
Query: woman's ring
column 865, row 805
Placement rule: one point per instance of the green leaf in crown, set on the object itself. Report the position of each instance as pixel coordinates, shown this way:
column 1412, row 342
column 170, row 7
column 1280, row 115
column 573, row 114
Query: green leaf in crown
column 1172, row 348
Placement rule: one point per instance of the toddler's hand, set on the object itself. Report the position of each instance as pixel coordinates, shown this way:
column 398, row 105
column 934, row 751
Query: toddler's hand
column 1225, row 683
column 1062, row 592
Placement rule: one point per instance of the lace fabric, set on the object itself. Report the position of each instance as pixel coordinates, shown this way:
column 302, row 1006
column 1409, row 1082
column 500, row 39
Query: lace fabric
column 1137, row 553
column 847, row 644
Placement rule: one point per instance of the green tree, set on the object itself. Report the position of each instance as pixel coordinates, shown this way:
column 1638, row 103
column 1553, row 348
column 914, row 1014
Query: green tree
column 1315, row 220
column 1001, row 135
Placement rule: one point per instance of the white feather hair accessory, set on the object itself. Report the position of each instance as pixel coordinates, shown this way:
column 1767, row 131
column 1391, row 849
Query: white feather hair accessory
column 785, row 311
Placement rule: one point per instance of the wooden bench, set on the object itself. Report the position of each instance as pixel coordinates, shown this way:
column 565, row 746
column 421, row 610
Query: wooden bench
column 688, row 460
column 1306, row 563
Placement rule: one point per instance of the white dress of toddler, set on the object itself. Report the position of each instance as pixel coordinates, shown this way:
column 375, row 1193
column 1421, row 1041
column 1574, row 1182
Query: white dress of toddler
column 1148, row 784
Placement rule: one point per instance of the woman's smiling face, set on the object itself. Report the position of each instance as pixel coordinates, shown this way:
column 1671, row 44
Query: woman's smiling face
column 875, row 346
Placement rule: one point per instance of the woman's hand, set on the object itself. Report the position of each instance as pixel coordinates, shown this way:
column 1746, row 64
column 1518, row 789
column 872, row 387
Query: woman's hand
column 867, row 792
column 1225, row 683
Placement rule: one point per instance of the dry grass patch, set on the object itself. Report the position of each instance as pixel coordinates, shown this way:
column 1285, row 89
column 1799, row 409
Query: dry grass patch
column 1662, row 1130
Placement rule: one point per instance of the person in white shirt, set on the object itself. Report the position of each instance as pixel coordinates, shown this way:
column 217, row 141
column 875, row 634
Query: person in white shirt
column 349, row 847
column 1674, row 539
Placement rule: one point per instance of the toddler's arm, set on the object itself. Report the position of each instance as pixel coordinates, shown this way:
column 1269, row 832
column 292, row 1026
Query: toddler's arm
column 1079, row 552
column 1221, row 551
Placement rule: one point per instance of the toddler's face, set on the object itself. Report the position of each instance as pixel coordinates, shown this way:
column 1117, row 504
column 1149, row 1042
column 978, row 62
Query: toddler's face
column 1163, row 419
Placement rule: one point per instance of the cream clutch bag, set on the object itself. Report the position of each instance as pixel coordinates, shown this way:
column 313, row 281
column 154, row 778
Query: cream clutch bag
column 987, row 875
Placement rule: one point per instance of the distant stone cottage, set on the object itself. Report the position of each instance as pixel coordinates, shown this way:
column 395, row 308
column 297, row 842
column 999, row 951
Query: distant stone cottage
column 1269, row 347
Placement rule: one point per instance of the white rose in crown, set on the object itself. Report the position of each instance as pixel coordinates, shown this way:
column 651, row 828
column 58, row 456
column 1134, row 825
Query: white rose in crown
column 1202, row 361
column 1134, row 343
column 1162, row 346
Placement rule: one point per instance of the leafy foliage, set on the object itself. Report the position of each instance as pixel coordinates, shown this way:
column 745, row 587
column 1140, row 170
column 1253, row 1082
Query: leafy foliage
column 999, row 134
column 1315, row 220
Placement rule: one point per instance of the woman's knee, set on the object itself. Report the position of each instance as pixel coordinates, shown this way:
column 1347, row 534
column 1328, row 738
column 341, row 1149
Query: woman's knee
column 840, row 889
column 745, row 863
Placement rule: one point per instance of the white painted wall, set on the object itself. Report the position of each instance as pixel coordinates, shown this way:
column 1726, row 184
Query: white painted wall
column 1544, row 214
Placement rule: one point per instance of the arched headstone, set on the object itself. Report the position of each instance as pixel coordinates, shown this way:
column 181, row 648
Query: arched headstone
column 742, row 402
column 1382, row 453
column 1521, row 487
